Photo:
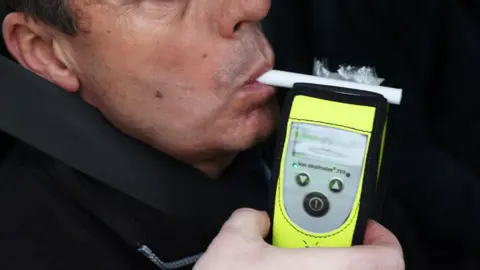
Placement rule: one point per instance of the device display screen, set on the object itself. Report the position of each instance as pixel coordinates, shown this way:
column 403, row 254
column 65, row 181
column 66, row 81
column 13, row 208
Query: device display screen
column 327, row 144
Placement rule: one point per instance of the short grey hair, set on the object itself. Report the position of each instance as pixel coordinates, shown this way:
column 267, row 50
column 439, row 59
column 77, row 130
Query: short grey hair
column 57, row 13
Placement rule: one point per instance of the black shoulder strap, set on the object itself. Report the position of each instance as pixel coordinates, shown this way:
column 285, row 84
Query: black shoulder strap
column 62, row 126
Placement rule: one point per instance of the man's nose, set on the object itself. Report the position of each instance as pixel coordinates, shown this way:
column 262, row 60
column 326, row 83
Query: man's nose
column 235, row 13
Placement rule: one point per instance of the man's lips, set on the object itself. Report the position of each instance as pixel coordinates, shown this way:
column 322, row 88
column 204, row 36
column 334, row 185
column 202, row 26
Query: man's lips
column 255, row 95
column 252, row 84
column 256, row 86
column 259, row 72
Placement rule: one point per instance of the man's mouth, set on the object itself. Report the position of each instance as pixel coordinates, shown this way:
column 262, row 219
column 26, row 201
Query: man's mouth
column 251, row 84
column 252, row 80
column 255, row 94
column 255, row 86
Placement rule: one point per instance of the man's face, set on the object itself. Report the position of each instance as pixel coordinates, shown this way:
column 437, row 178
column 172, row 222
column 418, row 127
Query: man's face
column 178, row 74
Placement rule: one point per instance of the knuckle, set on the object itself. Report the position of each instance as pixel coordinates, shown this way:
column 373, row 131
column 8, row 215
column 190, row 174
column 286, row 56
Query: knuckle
column 245, row 211
column 395, row 259
column 400, row 262
column 385, row 258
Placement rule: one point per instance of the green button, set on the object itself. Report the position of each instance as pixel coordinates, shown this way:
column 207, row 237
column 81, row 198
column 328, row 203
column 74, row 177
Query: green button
column 303, row 179
column 336, row 185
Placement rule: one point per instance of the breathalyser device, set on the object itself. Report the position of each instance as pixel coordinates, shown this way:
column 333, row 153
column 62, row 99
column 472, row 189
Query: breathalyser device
column 326, row 173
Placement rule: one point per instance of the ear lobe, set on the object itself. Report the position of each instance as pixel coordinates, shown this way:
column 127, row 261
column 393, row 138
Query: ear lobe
column 29, row 42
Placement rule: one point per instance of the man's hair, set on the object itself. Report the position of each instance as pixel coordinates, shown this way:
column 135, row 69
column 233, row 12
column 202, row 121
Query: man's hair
column 57, row 13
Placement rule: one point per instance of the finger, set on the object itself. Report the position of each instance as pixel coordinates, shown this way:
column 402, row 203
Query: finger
column 359, row 258
column 378, row 235
column 248, row 223
column 382, row 251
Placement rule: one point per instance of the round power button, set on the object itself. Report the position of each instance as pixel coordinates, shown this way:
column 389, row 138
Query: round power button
column 316, row 204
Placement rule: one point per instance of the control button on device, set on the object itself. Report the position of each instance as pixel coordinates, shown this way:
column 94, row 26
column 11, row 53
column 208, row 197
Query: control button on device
column 302, row 179
column 316, row 204
column 336, row 185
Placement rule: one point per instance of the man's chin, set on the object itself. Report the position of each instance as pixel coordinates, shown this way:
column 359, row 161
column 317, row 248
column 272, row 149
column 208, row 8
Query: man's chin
column 260, row 125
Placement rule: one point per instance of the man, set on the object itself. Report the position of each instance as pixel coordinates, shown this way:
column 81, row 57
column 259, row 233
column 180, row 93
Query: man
column 179, row 76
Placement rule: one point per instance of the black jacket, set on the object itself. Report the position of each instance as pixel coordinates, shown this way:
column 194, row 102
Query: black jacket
column 431, row 49
column 54, row 217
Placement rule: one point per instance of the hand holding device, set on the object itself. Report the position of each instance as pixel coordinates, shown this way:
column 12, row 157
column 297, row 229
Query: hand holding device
column 240, row 245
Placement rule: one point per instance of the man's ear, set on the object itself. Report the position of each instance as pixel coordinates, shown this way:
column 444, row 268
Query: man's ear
column 36, row 49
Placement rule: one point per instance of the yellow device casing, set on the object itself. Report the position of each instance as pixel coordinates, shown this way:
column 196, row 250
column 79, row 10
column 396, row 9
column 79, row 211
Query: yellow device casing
column 307, row 206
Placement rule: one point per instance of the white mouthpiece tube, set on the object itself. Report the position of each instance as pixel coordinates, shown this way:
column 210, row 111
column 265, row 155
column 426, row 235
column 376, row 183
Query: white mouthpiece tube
column 288, row 79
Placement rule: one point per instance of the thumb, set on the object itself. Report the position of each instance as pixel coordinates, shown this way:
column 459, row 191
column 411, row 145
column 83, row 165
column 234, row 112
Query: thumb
column 248, row 223
column 377, row 235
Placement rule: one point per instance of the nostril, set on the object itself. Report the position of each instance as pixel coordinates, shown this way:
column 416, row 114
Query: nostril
column 237, row 27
